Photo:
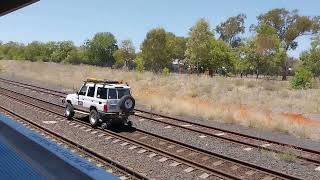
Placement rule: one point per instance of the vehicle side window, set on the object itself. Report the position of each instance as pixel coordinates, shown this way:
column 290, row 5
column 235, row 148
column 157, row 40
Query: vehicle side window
column 123, row 92
column 83, row 90
column 91, row 92
column 112, row 94
column 102, row 93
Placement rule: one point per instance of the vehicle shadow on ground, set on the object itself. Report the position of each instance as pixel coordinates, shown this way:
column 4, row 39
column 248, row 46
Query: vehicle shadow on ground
column 117, row 128
column 121, row 128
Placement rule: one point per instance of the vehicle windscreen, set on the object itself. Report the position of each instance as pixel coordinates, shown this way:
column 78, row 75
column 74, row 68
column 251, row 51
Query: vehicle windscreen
column 122, row 92
column 83, row 90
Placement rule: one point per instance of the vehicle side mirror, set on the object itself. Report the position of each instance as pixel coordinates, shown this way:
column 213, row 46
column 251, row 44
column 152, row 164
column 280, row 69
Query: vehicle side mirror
column 77, row 93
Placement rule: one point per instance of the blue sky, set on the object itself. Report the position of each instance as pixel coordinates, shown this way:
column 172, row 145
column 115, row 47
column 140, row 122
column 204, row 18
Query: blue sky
column 55, row 20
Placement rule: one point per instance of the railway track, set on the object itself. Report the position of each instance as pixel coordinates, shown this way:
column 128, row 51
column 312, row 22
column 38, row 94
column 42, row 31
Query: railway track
column 209, row 163
column 112, row 167
column 308, row 155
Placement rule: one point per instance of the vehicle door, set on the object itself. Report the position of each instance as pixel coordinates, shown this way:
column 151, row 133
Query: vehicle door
column 113, row 100
column 81, row 96
column 89, row 98
column 101, row 98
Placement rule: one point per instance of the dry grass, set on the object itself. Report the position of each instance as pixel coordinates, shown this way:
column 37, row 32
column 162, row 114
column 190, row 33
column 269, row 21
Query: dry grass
column 287, row 155
column 250, row 102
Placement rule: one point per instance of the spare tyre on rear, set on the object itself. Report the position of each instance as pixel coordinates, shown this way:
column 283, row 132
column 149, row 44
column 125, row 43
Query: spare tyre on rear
column 127, row 103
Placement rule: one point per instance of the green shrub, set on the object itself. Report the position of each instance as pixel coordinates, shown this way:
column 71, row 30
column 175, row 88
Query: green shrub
column 75, row 57
column 139, row 64
column 230, row 74
column 165, row 71
column 287, row 156
column 302, row 79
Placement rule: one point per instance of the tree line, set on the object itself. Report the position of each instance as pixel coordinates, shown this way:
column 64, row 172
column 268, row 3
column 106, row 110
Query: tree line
column 219, row 50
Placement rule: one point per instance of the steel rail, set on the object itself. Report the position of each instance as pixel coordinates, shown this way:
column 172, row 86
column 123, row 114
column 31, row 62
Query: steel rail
column 233, row 140
column 230, row 139
column 268, row 171
column 184, row 121
column 146, row 146
column 36, row 88
column 231, row 132
column 124, row 170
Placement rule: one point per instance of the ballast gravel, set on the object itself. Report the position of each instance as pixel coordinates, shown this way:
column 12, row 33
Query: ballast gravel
column 255, row 156
column 140, row 162
column 276, row 136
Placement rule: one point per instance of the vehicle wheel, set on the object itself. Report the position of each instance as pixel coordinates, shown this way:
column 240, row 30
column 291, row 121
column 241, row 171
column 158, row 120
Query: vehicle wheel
column 94, row 118
column 69, row 111
column 129, row 123
column 127, row 103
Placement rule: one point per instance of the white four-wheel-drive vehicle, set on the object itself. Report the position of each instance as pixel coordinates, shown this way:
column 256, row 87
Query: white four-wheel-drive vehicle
column 107, row 102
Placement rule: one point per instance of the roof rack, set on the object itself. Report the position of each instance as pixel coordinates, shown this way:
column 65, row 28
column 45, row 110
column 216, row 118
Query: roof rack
column 102, row 81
